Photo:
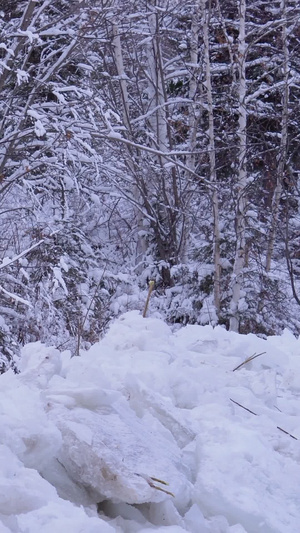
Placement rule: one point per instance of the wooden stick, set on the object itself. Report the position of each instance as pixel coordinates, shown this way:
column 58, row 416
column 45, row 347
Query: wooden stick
column 151, row 287
column 287, row 433
column 246, row 408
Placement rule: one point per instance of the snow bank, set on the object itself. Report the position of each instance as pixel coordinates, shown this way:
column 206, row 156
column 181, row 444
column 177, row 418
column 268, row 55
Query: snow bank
column 152, row 430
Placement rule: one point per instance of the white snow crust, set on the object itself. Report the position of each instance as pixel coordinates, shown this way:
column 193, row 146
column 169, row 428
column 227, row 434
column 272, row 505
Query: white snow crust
column 82, row 438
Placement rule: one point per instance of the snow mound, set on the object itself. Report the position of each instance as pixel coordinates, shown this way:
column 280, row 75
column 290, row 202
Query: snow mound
column 152, row 430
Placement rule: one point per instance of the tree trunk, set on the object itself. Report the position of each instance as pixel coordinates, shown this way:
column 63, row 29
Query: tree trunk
column 212, row 157
column 195, row 112
column 283, row 142
column 239, row 262
column 141, row 245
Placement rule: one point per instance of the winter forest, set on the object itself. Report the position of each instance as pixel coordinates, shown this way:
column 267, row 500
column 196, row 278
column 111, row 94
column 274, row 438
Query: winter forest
column 148, row 140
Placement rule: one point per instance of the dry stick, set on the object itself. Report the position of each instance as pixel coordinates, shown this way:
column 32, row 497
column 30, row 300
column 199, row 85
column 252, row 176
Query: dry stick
column 246, row 408
column 151, row 287
column 159, row 481
column 150, row 480
column 252, row 412
column 162, row 490
column 254, row 356
column 286, row 432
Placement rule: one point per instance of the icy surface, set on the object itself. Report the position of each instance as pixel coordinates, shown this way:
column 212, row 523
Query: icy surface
column 87, row 441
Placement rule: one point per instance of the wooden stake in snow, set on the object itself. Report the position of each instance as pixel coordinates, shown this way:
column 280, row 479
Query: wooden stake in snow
column 151, row 287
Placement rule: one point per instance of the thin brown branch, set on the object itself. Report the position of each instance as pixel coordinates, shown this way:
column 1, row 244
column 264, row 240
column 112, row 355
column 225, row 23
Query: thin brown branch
column 254, row 356
column 243, row 407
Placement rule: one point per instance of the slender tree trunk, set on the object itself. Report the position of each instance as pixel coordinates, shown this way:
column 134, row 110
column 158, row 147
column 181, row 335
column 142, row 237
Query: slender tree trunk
column 212, row 156
column 121, row 73
column 228, row 42
column 169, row 202
column 155, row 89
column 141, row 245
column 195, row 112
column 283, row 142
column 239, row 261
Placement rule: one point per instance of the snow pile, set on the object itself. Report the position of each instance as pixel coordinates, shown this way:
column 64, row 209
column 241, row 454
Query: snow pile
column 89, row 443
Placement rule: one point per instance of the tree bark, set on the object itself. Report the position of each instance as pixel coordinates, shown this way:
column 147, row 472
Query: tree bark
column 239, row 262
column 212, row 157
column 283, row 141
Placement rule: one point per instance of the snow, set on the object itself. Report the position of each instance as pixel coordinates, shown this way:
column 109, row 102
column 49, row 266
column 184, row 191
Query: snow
column 15, row 297
column 22, row 76
column 59, row 280
column 39, row 129
column 88, row 443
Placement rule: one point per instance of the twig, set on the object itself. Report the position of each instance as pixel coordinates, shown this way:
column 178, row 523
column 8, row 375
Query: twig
column 246, row 408
column 252, row 412
column 161, row 489
column 25, row 252
column 81, row 323
column 159, row 481
column 287, row 433
column 150, row 480
column 15, row 297
column 254, row 356
column 61, row 344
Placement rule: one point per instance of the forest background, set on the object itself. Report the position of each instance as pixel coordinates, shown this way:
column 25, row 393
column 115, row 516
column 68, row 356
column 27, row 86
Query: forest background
column 148, row 140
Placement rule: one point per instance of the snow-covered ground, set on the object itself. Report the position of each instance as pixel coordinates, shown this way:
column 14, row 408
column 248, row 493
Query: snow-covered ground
column 83, row 438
